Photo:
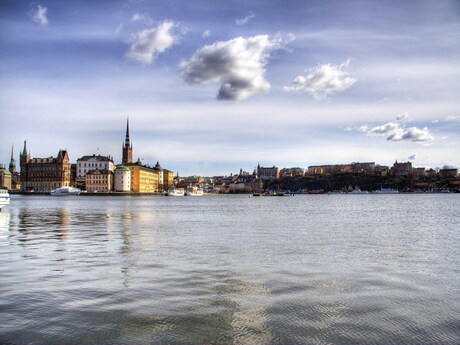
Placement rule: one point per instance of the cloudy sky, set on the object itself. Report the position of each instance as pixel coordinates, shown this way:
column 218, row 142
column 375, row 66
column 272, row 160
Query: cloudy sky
column 214, row 86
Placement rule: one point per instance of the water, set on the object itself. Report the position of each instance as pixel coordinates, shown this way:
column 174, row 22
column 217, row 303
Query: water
column 312, row 269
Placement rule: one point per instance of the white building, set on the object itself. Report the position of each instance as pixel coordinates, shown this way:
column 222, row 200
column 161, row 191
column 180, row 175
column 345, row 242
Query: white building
column 88, row 163
column 122, row 180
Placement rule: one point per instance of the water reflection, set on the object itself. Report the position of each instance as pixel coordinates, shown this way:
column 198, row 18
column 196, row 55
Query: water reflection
column 231, row 310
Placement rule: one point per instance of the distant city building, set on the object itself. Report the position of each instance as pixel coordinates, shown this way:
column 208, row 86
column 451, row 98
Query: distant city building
column 99, row 180
column 292, row 172
column 168, row 179
column 419, row 172
column 89, row 163
column 159, row 169
column 44, row 173
column 5, row 178
column 448, row 172
column 122, row 179
column 401, row 169
column 15, row 177
column 366, row 167
column 266, row 174
column 127, row 149
column 143, row 179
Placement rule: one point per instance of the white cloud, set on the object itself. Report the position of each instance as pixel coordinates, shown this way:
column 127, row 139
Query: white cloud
column 237, row 64
column 147, row 44
column 383, row 129
column 139, row 17
column 38, row 15
column 411, row 134
column 206, row 33
column 246, row 19
column 322, row 81
column 394, row 132
column 452, row 118
column 402, row 117
column 412, row 157
column 363, row 128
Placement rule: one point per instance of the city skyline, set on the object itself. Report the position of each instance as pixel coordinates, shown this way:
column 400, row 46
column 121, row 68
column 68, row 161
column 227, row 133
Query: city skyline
column 212, row 87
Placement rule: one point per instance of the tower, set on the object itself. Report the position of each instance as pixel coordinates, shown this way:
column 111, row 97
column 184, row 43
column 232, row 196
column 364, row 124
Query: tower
column 127, row 147
column 24, row 158
column 12, row 167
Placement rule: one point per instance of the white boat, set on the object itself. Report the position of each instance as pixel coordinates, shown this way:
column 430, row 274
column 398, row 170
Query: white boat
column 359, row 191
column 194, row 191
column 386, row 191
column 4, row 198
column 176, row 192
column 62, row 191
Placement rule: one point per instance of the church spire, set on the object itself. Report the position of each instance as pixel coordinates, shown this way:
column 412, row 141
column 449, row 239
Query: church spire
column 128, row 147
column 12, row 166
column 127, row 141
column 24, row 152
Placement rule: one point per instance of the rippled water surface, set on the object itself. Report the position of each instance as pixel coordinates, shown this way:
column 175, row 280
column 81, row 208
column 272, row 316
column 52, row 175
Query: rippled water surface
column 312, row 269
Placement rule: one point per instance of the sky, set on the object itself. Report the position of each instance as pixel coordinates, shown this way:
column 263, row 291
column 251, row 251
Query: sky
column 214, row 86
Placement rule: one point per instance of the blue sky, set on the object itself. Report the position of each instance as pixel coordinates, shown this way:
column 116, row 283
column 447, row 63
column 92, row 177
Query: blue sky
column 211, row 86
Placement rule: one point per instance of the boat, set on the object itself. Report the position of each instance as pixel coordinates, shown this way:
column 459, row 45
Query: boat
column 194, row 191
column 176, row 192
column 66, row 190
column 358, row 191
column 4, row 198
column 386, row 191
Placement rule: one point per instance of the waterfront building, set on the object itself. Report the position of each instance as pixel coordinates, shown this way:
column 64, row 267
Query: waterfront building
column 168, row 179
column 44, row 174
column 5, row 178
column 160, row 171
column 89, row 163
column 143, row 179
column 127, row 147
column 15, row 178
column 122, row 179
column 99, row 180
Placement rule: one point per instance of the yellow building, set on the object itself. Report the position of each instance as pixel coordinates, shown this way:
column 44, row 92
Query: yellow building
column 99, row 180
column 143, row 179
column 168, row 179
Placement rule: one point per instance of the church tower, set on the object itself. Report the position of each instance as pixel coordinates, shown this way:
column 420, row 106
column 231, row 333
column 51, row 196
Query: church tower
column 12, row 167
column 127, row 147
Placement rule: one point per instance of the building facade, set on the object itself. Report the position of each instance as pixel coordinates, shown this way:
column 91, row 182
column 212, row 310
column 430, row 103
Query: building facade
column 99, row 180
column 266, row 174
column 5, row 178
column 89, row 163
column 44, row 174
column 122, row 179
column 143, row 179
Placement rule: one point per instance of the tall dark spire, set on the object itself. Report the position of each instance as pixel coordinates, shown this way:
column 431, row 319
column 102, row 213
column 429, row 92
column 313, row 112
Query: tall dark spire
column 24, row 152
column 127, row 147
column 12, row 166
column 127, row 141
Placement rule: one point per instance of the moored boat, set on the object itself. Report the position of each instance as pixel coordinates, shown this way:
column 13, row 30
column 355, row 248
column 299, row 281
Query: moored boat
column 194, row 191
column 4, row 198
column 386, row 191
column 359, row 191
column 176, row 192
column 66, row 190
